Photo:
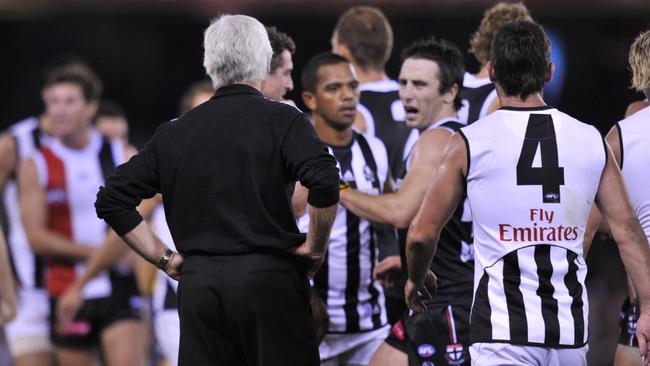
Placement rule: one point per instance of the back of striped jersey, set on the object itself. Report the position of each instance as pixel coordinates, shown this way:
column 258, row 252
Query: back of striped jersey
column 477, row 94
column 384, row 116
column 634, row 133
column 530, row 196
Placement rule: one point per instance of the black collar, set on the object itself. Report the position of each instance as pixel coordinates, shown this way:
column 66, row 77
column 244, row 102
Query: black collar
column 236, row 89
column 540, row 108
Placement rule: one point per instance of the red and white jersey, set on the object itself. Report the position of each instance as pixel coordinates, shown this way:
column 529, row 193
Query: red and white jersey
column 28, row 138
column 533, row 174
column 70, row 179
column 634, row 135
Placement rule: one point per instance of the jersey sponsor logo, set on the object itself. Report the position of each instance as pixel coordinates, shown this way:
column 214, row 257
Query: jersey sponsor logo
column 455, row 354
column 426, row 350
column 541, row 229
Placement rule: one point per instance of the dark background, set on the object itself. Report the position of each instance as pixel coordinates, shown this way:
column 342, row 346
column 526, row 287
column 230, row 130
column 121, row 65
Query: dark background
column 149, row 51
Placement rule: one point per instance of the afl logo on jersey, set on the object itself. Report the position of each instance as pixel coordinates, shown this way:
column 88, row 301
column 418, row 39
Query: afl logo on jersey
column 369, row 175
column 426, row 350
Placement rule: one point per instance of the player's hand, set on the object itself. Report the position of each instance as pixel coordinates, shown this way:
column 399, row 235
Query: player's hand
column 174, row 266
column 8, row 308
column 388, row 271
column 321, row 318
column 643, row 336
column 415, row 293
column 68, row 305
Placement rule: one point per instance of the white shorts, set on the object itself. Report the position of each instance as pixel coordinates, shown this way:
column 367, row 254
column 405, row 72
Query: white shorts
column 29, row 332
column 167, row 331
column 502, row 354
column 351, row 349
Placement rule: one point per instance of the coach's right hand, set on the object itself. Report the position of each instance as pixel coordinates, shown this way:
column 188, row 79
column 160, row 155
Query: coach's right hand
column 643, row 336
column 174, row 266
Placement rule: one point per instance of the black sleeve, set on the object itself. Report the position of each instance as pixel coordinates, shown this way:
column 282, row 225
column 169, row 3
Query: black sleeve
column 308, row 161
column 131, row 182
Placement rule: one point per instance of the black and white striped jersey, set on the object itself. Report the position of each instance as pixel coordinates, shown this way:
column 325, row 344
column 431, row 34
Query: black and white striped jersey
column 384, row 115
column 355, row 302
column 476, row 96
column 634, row 134
column 533, row 174
column 164, row 296
column 453, row 262
column 27, row 267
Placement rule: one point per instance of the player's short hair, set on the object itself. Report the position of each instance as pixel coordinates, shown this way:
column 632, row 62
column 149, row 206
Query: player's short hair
column 494, row 18
column 640, row 61
column 237, row 49
column 448, row 58
column 203, row 86
column 75, row 72
column 521, row 58
column 366, row 32
column 309, row 77
column 280, row 42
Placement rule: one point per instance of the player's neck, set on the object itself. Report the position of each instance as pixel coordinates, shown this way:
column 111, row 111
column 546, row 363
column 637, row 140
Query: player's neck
column 646, row 92
column 369, row 75
column 331, row 135
column 45, row 124
column 447, row 112
column 482, row 73
column 533, row 100
column 78, row 139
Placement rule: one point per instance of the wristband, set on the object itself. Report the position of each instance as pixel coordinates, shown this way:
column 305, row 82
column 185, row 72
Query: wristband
column 164, row 260
column 343, row 185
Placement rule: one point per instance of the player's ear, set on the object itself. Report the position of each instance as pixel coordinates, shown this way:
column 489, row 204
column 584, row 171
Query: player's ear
column 490, row 69
column 551, row 71
column 309, row 99
column 451, row 93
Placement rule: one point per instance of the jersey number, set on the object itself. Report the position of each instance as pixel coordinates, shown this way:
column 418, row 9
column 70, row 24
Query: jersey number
column 549, row 175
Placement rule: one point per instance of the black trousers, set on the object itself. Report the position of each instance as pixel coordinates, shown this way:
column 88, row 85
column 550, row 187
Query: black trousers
column 248, row 309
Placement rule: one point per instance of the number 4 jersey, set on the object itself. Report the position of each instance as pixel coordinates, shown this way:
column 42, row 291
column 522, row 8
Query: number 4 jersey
column 532, row 178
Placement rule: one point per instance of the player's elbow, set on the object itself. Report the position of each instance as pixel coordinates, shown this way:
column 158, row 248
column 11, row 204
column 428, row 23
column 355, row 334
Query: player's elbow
column 37, row 241
column 399, row 218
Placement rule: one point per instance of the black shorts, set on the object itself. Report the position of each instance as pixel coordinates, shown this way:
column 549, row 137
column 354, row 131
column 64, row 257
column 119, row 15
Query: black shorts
column 628, row 317
column 95, row 315
column 437, row 336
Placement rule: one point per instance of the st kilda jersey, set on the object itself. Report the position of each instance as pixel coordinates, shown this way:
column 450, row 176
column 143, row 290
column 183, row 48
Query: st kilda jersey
column 476, row 96
column 70, row 179
column 355, row 301
column 384, row 115
column 533, row 174
column 453, row 262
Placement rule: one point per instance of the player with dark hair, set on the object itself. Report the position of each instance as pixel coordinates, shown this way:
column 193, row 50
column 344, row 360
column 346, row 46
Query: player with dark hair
column 531, row 174
column 430, row 78
column 355, row 301
column 279, row 82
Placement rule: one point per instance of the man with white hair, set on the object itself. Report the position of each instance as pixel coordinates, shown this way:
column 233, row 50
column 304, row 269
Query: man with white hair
column 226, row 170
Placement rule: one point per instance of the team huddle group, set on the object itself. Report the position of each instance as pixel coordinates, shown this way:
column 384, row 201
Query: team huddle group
column 429, row 165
